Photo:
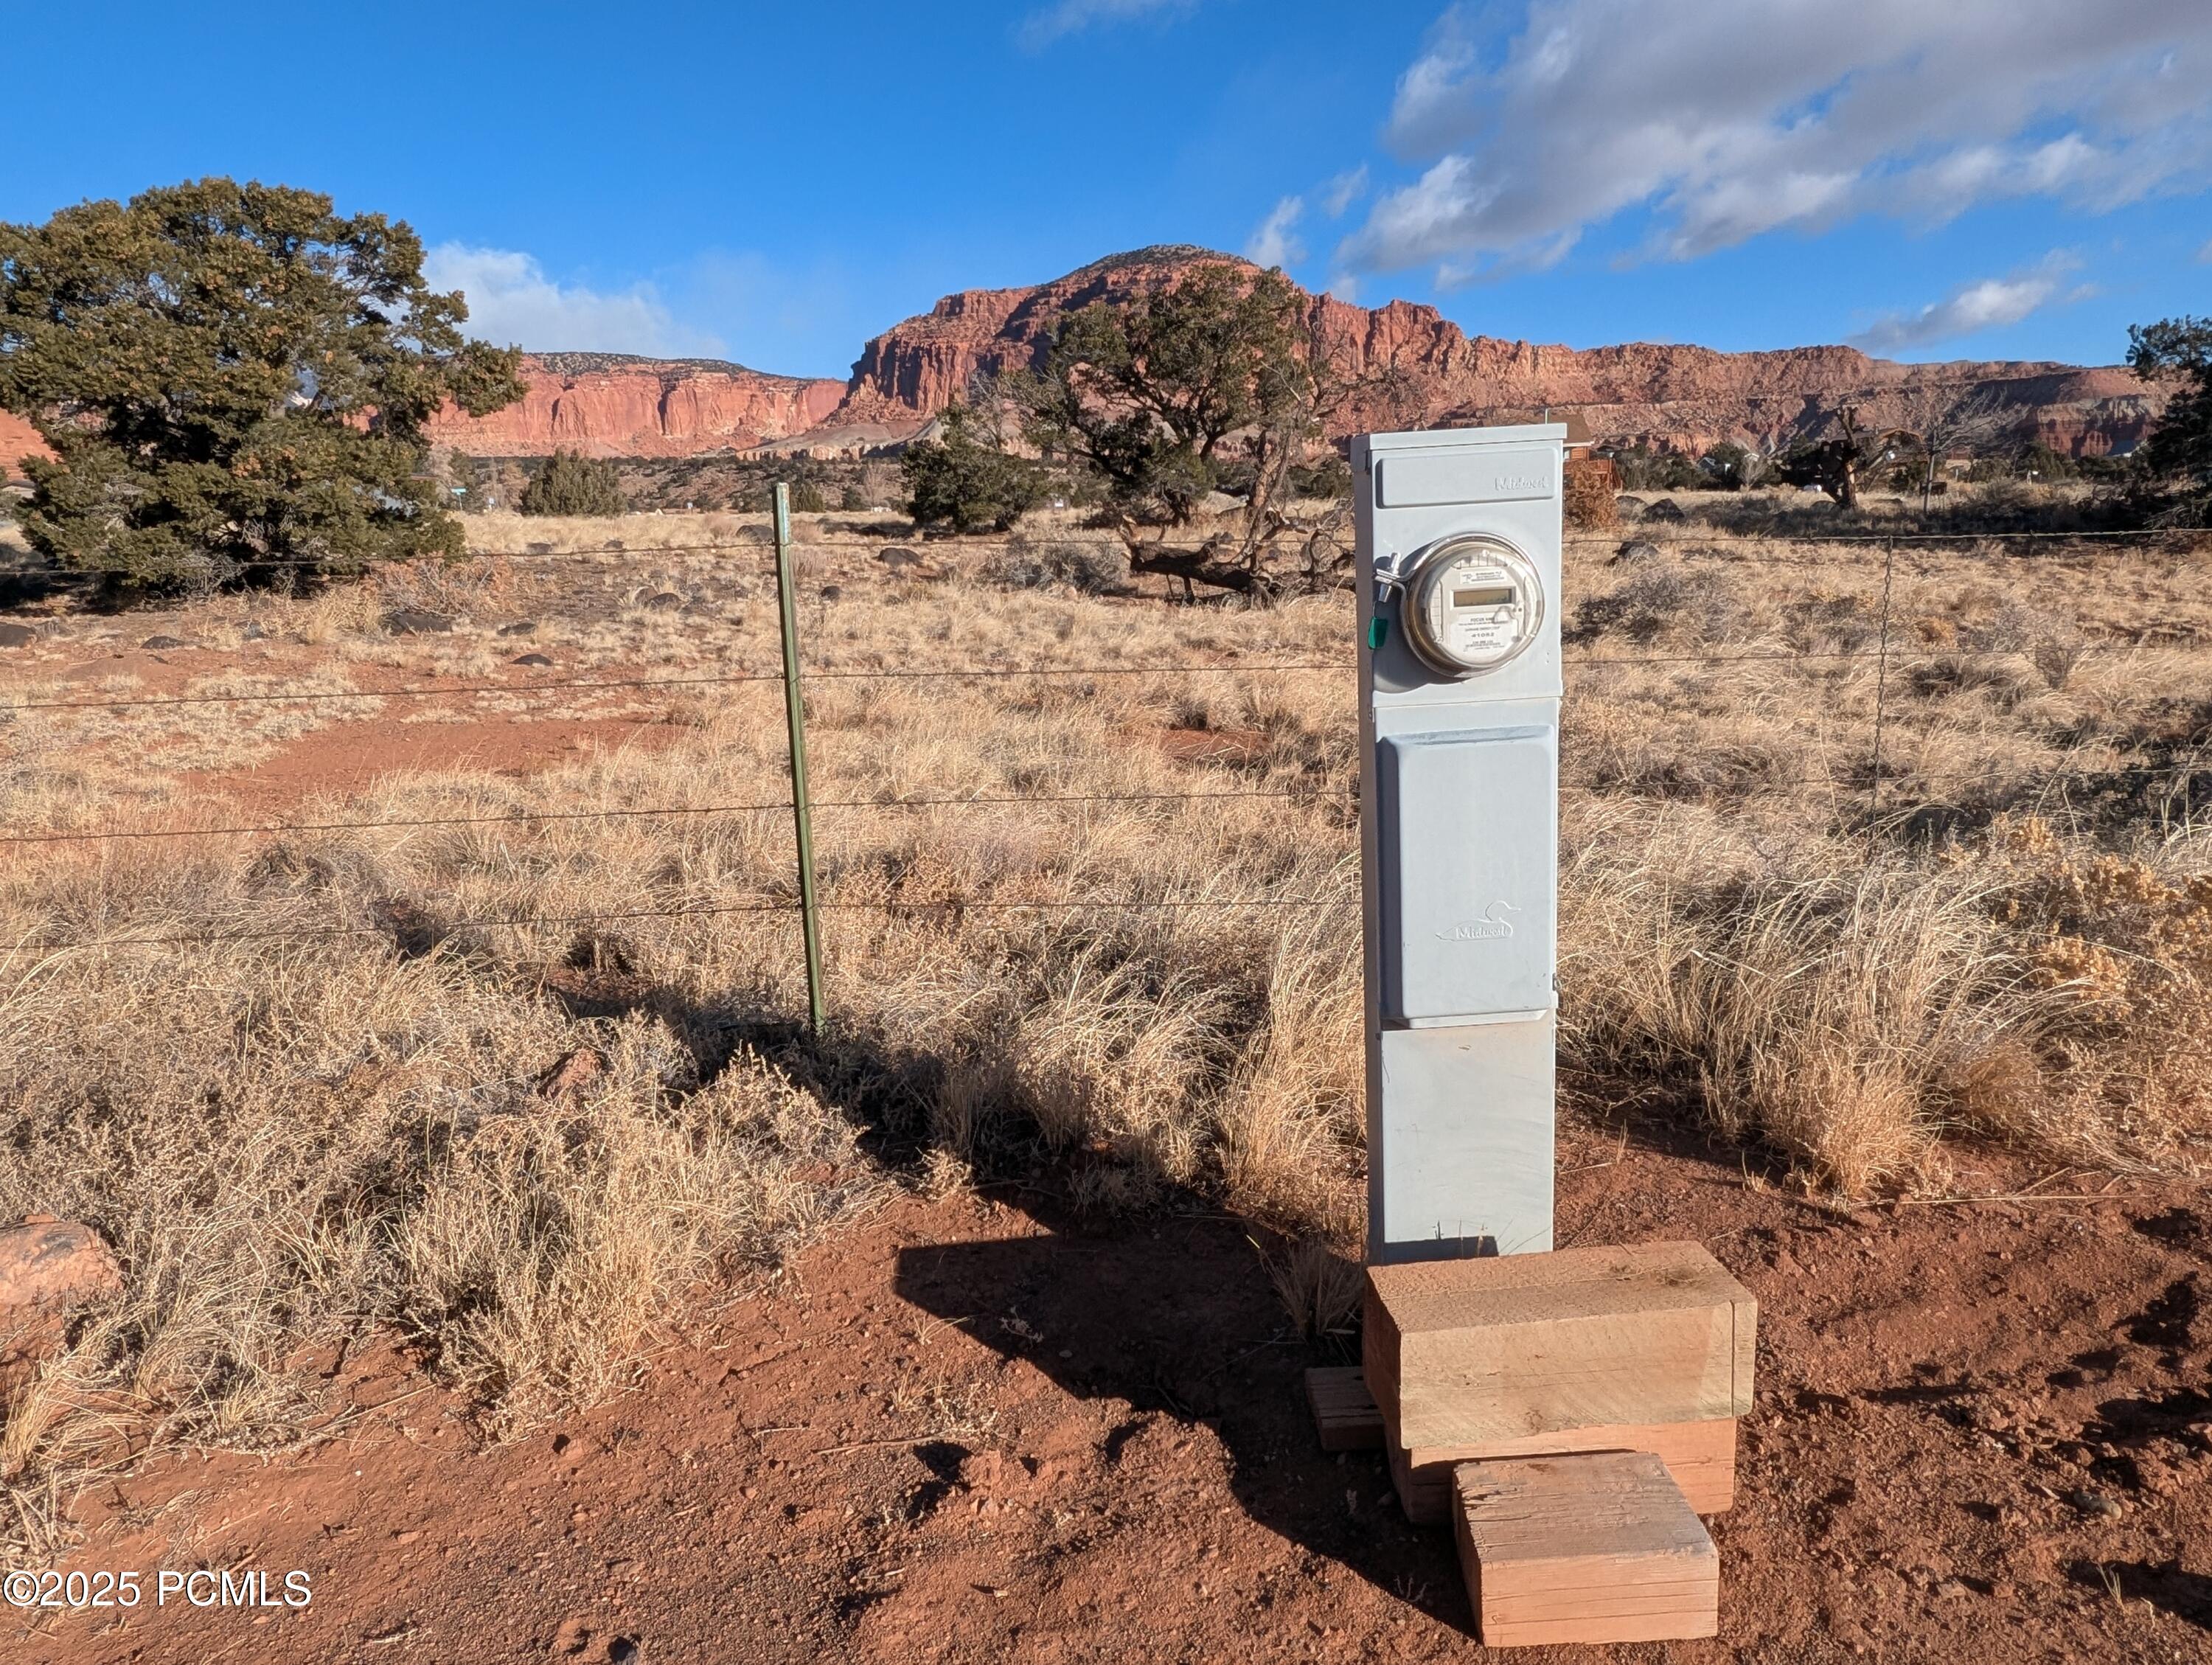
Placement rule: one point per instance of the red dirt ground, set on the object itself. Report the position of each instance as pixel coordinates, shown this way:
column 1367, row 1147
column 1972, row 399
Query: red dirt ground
column 352, row 756
column 983, row 1429
column 980, row 1430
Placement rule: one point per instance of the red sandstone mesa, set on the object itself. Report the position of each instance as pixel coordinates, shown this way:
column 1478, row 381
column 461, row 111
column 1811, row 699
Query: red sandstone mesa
column 1689, row 398
column 611, row 404
column 18, row 439
column 1685, row 398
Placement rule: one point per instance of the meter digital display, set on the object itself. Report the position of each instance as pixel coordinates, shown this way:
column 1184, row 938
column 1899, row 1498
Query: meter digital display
column 1472, row 602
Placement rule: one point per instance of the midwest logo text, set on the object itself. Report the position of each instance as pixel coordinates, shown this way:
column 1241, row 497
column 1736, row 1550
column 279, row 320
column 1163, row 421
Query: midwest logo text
column 1490, row 927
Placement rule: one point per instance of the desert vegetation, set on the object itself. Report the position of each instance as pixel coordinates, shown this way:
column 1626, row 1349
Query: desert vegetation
column 417, row 952
column 1192, row 418
column 568, row 484
column 2180, row 350
column 495, row 1045
column 231, row 376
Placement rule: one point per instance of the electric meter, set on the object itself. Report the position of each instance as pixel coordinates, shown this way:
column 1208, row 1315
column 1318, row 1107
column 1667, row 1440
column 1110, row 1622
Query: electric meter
column 1458, row 551
column 1472, row 602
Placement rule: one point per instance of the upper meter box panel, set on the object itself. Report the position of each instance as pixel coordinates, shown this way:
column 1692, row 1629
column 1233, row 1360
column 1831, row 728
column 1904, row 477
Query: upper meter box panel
column 1491, row 474
column 1467, row 886
column 1458, row 569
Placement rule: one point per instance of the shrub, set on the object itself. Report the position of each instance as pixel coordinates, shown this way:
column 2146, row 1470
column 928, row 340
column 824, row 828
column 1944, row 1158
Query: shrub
column 2181, row 448
column 1659, row 599
column 962, row 484
column 573, row 485
column 1093, row 568
column 1641, row 469
column 1733, row 467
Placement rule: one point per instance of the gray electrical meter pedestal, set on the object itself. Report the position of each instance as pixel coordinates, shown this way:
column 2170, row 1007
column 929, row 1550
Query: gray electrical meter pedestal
column 1459, row 728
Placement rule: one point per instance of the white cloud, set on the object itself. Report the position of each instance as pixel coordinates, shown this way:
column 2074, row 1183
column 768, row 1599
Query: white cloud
column 1344, row 287
column 1041, row 28
column 1342, row 192
column 512, row 302
column 1275, row 243
column 1987, row 304
column 1735, row 117
column 2204, row 255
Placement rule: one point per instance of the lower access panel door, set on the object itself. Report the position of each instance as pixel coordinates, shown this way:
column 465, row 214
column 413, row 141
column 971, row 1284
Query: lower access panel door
column 1459, row 1151
column 1468, row 825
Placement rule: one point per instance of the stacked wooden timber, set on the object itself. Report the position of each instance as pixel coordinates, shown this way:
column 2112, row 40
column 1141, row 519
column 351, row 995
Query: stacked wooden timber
column 1571, row 1414
column 1594, row 1548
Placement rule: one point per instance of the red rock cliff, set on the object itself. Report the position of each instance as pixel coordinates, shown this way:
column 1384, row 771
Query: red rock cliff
column 604, row 404
column 18, row 439
column 1684, row 398
column 612, row 405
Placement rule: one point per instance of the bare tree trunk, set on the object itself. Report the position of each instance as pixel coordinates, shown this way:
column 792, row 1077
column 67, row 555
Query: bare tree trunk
column 1847, row 457
column 1198, row 565
column 1276, row 557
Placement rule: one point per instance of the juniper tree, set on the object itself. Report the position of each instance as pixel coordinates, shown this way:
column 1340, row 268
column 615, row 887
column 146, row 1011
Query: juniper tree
column 1167, row 395
column 231, row 375
column 2178, row 350
column 967, row 481
column 572, row 484
column 1218, row 379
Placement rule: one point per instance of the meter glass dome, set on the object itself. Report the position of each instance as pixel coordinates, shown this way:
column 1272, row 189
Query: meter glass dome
column 1472, row 604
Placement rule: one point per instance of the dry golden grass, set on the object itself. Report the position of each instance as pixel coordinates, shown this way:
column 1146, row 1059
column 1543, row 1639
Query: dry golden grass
column 291, row 1137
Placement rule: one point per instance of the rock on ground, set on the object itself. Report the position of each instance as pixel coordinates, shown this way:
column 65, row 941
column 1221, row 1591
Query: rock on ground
column 54, row 1263
column 46, row 1266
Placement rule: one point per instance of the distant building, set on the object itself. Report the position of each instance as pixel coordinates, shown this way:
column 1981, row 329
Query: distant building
column 1587, row 482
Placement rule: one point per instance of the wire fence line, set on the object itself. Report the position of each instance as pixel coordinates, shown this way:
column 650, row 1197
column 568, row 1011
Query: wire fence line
column 1685, row 531
column 1886, row 655
column 433, row 690
column 977, row 672
column 526, row 817
column 1901, row 536
column 898, row 907
column 1624, row 534
column 2182, row 768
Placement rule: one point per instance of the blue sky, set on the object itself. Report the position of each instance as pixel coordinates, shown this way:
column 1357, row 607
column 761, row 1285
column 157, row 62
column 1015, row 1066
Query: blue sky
column 1999, row 178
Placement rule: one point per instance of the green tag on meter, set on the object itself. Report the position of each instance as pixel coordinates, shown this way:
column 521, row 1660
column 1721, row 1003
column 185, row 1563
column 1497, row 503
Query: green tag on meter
column 1378, row 632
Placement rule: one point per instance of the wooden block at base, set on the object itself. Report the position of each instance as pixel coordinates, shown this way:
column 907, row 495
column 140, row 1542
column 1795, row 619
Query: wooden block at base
column 1700, row 1459
column 1344, row 1413
column 1465, row 1352
column 1594, row 1548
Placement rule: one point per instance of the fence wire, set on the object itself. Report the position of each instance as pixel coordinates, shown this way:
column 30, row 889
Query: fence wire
column 526, row 817
column 613, row 555
column 1887, row 656
column 1933, row 655
column 898, row 908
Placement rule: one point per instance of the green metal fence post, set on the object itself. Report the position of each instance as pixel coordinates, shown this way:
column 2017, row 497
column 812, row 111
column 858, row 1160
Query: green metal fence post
column 810, row 919
column 1880, row 688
